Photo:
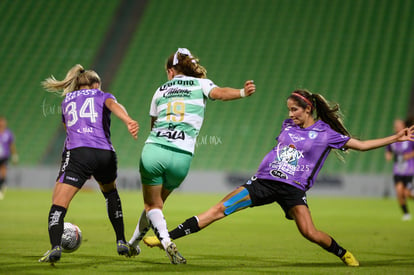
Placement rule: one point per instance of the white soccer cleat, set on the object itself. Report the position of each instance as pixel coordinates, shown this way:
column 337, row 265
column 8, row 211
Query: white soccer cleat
column 406, row 217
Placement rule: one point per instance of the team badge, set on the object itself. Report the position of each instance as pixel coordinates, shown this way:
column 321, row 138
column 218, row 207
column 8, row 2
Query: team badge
column 313, row 134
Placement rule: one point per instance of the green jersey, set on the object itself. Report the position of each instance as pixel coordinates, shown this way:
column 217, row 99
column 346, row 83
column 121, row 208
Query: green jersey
column 179, row 107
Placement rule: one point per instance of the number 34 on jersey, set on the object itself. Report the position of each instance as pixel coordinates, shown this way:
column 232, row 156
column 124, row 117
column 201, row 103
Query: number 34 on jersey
column 87, row 110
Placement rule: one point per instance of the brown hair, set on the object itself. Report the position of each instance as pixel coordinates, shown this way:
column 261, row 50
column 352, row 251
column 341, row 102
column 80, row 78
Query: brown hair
column 409, row 121
column 76, row 77
column 187, row 65
column 325, row 111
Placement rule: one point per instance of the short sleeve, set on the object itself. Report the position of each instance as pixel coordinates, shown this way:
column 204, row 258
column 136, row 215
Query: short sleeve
column 108, row 95
column 337, row 140
column 388, row 148
column 207, row 85
column 153, row 106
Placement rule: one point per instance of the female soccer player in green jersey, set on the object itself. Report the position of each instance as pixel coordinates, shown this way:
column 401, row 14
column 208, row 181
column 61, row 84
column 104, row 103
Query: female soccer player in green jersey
column 177, row 113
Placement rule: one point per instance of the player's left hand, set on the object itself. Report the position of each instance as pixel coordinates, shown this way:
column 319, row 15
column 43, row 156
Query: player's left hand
column 249, row 87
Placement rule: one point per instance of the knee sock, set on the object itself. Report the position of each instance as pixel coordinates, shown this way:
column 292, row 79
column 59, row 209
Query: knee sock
column 336, row 249
column 2, row 180
column 55, row 228
column 188, row 227
column 114, row 208
column 141, row 229
column 159, row 225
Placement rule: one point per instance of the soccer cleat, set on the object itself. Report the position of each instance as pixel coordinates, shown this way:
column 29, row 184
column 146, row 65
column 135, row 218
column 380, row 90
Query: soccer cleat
column 406, row 217
column 152, row 241
column 173, row 254
column 133, row 250
column 123, row 248
column 349, row 259
column 52, row 256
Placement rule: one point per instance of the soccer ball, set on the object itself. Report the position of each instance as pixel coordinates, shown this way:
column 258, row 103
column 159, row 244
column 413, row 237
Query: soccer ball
column 71, row 237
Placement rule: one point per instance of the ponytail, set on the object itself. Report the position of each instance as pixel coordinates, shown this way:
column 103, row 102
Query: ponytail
column 329, row 113
column 184, row 62
column 75, row 78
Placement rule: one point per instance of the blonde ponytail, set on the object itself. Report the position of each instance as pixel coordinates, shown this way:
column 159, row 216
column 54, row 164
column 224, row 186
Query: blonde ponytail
column 75, row 77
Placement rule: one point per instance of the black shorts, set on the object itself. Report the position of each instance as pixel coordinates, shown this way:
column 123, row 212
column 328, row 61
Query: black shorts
column 79, row 164
column 264, row 191
column 406, row 180
column 4, row 161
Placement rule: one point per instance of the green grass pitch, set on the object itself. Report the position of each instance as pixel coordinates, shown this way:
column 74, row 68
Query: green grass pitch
column 254, row 241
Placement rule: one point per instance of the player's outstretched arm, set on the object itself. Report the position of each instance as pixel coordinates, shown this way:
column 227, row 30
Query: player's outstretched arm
column 365, row 145
column 227, row 93
column 121, row 113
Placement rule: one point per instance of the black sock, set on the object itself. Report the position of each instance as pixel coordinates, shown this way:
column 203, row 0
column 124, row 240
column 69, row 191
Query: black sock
column 114, row 208
column 56, row 216
column 404, row 208
column 188, row 227
column 336, row 249
column 2, row 180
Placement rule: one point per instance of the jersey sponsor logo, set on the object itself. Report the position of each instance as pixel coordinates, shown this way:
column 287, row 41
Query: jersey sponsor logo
column 177, row 92
column 278, row 174
column 289, row 154
column 177, row 82
column 171, row 134
column 72, row 95
column 287, row 159
column 85, row 130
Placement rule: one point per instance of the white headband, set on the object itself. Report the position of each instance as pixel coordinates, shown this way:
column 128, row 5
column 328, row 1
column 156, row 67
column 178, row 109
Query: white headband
column 183, row 51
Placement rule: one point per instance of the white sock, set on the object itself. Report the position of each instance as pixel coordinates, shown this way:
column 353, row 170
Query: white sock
column 141, row 229
column 159, row 225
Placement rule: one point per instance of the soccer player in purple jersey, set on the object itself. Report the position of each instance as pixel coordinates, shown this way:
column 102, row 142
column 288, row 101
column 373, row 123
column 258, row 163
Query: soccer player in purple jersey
column 7, row 151
column 313, row 129
column 403, row 155
column 88, row 151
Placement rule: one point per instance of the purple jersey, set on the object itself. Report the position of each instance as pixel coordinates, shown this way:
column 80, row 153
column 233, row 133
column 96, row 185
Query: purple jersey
column 6, row 140
column 87, row 119
column 402, row 167
column 300, row 153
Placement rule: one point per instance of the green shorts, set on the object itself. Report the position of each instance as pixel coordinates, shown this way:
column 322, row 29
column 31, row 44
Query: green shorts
column 164, row 165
